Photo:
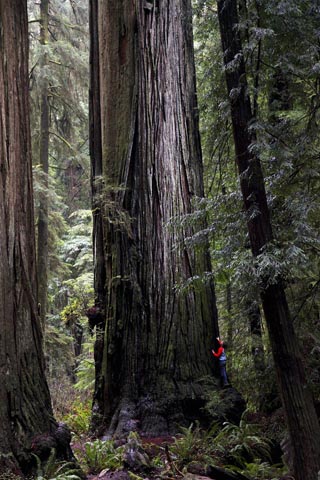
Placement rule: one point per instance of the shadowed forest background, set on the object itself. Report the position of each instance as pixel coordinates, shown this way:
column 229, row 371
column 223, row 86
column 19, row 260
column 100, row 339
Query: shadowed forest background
column 244, row 220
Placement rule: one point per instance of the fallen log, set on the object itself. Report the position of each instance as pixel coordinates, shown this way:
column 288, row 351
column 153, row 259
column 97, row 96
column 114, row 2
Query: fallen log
column 218, row 473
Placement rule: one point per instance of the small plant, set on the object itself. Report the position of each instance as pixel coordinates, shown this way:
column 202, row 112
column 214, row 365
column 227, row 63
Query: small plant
column 85, row 370
column 78, row 419
column 194, row 445
column 54, row 470
column 101, row 455
column 240, row 448
column 259, row 470
column 186, row 447
column 217, row 406
column 243, row 443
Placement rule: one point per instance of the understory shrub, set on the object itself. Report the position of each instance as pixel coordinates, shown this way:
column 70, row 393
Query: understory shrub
column 102, row 454
column 78, row 418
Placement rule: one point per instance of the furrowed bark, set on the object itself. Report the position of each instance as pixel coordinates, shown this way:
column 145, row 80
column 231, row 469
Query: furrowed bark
column 25, row 407
column 97, row 182
column 157, row 339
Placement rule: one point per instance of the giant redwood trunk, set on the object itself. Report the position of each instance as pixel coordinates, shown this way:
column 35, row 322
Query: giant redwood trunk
column 148, row 170
column 302, row 420
column 25, row 408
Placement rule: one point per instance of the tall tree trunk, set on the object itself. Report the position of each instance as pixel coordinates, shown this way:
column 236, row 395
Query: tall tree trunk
column 302, row 421
column 157, row 338
column 255, row 322
column 97, row 192
column 25, row 408
column 43, row 231
column 230, row 329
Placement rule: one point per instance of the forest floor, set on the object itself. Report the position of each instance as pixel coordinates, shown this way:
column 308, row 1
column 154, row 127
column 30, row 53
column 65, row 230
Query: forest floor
column 152, row 459
column 139, row 460
column 136, row 464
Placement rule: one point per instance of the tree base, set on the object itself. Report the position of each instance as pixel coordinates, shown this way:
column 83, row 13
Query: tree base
column 165, row 417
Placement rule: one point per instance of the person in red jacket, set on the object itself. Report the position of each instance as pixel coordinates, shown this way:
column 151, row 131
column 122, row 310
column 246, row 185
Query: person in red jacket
column 221, row 355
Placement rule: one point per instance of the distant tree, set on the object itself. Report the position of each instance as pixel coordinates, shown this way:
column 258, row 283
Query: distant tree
column 59, row 125
column 43, row 217
column 147, row 170
column 302, row 420
column 25, row 408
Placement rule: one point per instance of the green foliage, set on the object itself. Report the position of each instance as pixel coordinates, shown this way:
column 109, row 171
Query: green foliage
column 194, row 445
column 134, row 476
column 187, row 447
column 258, row 470
column 243, row 443
column 217, row 406
column 61, row 66
column 55, row 470
column 85, row 370
column 111, row 207
column 58, row 345
column 239, row 448
column 77, row 246
column 100, row 455
column 78, row 418
column 281, row 51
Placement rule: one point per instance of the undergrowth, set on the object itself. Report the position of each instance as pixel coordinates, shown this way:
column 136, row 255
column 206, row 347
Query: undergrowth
column 53, row 469
column 239, row 448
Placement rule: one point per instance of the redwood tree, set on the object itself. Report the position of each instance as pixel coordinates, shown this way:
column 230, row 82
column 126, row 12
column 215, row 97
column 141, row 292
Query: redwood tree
column 302, row 420
column 43, row 227
column 25, row 408
column 147, row 170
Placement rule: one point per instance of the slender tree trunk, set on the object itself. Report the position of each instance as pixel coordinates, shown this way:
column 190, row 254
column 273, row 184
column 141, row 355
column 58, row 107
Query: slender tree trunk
column 157, row 338
column 230, row 328
column 255, row 322
column 43, row 230
column 97, row 192
column 96, row 156
column 25, row 408
column 302, row 421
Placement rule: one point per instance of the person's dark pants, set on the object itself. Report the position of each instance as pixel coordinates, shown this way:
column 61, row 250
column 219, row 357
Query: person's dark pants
column 223, row 373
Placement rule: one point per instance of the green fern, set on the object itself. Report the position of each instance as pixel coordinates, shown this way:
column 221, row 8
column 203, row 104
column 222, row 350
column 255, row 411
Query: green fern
column 78, row 419
column 55, row 470
column 258, row 470
column 101, row 454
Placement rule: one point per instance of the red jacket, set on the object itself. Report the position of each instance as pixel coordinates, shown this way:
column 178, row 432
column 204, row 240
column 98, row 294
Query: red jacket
column 219, row 351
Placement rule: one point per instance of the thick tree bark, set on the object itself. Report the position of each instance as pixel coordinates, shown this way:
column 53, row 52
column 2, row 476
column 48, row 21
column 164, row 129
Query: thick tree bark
column 302, row 421
column 157, row 339
column 43, row 228
column 97, row 182
column 25, row 408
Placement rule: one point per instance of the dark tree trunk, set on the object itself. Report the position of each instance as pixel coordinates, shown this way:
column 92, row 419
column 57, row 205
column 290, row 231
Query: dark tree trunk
column 230, row 330
column 43, row 230
column 25, row 408
column 157, row 338
column 255, row 322
column 302, row 421
column 97, row 191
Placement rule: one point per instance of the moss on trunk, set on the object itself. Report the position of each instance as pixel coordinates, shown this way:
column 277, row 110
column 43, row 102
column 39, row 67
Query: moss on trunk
column 157, row 339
